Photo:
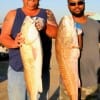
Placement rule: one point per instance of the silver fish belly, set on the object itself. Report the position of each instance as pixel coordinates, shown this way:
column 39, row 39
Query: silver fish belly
column 31, row 54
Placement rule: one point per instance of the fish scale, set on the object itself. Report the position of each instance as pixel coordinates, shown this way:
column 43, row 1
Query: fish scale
column 31, row 54
column 65, row 54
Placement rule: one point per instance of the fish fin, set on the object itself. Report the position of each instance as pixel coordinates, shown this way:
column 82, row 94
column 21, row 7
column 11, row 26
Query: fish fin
column 34, row 52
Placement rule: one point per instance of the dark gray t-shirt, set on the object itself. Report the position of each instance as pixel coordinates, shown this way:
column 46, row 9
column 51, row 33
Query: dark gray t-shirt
column 90, row 58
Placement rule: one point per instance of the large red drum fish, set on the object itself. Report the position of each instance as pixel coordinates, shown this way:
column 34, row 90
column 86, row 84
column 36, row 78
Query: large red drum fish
column 67, row 54
column 31, row 54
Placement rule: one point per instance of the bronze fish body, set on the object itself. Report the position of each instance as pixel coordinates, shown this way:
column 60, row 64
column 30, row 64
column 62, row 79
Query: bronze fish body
column 67, row 54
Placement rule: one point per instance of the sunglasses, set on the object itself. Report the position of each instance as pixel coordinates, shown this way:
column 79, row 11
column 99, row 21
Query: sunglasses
column 76, row 3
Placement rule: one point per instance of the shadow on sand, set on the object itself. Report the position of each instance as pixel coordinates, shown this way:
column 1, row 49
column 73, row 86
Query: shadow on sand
column 55, row 95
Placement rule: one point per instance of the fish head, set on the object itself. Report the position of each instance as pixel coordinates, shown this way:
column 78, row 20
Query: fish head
column 28, row 29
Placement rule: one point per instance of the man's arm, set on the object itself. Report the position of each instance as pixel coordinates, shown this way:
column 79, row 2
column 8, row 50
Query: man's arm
column 6, row 39
column 52, row 26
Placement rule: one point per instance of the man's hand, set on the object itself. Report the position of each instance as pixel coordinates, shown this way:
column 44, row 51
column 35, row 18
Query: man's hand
column 51, row 18
column 39, row 23
column 19, row 40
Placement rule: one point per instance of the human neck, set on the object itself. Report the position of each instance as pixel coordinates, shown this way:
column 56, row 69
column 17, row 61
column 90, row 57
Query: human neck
column 30, row 12
column 80, row 20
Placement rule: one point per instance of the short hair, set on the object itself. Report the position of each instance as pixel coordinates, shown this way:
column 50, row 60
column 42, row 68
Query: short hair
column 80, row 0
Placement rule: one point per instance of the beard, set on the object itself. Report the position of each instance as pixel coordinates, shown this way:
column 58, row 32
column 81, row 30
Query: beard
column 78, row 14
